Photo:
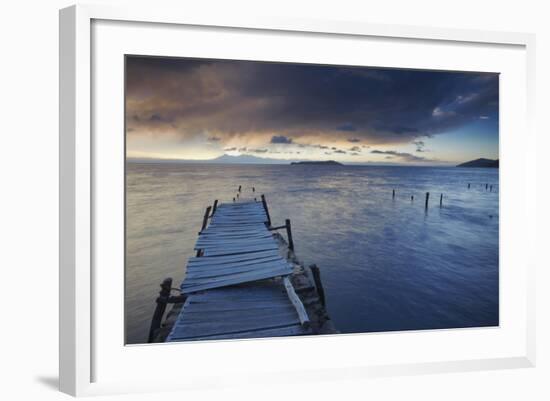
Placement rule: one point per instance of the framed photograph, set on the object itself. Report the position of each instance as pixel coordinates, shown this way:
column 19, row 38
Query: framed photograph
column 265, row 197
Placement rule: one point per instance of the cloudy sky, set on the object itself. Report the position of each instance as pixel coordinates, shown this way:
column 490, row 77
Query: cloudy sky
column 201, row 109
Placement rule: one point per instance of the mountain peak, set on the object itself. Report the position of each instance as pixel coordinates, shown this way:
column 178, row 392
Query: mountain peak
column 480, row 163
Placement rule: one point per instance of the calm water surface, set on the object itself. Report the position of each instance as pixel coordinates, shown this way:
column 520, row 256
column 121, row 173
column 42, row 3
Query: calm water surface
column 385, row 264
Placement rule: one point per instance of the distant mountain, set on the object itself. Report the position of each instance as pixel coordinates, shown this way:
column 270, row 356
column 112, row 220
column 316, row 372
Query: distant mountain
column 480, row 163
column 319, row 163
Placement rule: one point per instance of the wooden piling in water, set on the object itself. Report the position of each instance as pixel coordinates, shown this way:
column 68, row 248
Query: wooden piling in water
column 253, row 189
column 289, row 235
column 264, row 203
column 441, row 201
column 161, row 301
column 427, row 199
column 412, row 198
column 240, row 188
column 486, row 185
column 318, row 284
column 468, row 185
column 214, row 207
column 205, row 218
column 393, row 194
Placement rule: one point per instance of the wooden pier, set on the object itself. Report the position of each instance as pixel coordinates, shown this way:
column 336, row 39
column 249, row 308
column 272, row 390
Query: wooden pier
column 240, row 284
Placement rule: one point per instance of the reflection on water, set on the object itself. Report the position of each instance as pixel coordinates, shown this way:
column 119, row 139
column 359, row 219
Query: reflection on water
column 385, row 264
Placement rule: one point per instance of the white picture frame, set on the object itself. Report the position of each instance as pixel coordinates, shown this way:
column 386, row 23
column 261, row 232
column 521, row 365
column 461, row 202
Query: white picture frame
column 79, row 346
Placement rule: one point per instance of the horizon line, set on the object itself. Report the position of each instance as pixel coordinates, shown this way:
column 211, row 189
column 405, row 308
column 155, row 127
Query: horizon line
column 284, row 162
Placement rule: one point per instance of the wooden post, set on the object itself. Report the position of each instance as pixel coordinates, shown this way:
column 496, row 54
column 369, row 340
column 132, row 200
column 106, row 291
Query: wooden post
column 239, row 188
column 237, row 196
column 318, row 284
column 393, row 194
column 468, row 185
column 161, row 301
column 253, row 189
column 215, row 207
column 427, row 199
column 486, row 185
column 205, row 218
column 233, row 199
column 412, row 198
column 441, row 201
column 266, row 211
column 289, row 235
column 491, row 188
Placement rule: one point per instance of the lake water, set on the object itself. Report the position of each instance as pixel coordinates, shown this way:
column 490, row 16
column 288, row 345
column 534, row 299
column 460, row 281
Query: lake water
column 385, row 264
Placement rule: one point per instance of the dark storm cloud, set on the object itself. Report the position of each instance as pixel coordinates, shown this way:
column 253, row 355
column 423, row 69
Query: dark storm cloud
column 277, row 101
column 281, row 139
column 347, row 127
column 420, row 146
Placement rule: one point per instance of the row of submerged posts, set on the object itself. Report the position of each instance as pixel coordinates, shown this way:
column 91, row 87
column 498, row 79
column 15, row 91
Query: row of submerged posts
column 427, row 199
column 488, row 187
column 243, row 282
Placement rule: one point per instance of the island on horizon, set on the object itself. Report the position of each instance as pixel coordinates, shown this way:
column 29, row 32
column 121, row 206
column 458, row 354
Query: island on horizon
column 481, row 163
column 318, row 163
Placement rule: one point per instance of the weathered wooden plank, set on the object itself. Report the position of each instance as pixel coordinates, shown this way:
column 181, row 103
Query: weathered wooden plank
column 241, row 297
column 251, row 213
column 246, row 219
column 304, row 318
column 293, row 330
column 213, row 266
column 267, row 306
column 235, row 251
column 238, row 225
column 240, row 244
column 240, row 238
column 243, row 300
column 230, row 241
column 236, row 245
column 189, row 286
column 234, row 234
column 222, row 327
column 254, row 211
column 201, row 274
column 243, row 293
column 251, row 264
column 230, row 258
column 237, row 317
